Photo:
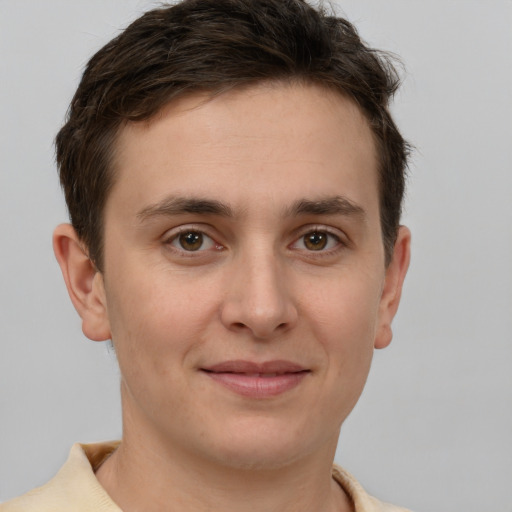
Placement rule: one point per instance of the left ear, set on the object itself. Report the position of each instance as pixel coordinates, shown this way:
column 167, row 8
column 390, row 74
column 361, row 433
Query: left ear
column 392, row 290
column 84, row 283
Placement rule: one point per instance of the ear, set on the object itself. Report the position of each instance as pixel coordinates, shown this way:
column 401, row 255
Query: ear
column 83, row 281
column 392, row 290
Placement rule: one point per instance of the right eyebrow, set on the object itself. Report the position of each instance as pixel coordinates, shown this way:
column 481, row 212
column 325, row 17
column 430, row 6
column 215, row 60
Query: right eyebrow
column 182, row 205
column 335, row 205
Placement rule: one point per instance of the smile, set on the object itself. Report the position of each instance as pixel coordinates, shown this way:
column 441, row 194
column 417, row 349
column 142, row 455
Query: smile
column 255, row 380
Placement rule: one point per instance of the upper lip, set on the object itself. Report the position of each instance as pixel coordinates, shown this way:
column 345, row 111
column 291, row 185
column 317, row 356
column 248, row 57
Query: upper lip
column 241, row 366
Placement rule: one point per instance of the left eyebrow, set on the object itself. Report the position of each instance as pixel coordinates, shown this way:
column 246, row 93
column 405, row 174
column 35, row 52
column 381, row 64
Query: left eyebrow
column 182, row 205
column 336, row 205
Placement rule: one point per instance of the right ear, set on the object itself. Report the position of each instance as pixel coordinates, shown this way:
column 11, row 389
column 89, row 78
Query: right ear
column 84, row 283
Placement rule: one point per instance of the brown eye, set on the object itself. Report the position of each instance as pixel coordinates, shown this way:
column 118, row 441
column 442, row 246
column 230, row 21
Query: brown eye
column 191, row 240
column 316, row 241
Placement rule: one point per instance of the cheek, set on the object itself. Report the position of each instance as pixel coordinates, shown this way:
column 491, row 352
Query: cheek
column 154, row 322
column 345, row 322
column 347, row 310
column 343, row 317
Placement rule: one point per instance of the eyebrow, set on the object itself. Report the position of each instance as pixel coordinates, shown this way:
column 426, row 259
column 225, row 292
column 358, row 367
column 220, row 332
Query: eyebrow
column 336, row 205
column 182, row 205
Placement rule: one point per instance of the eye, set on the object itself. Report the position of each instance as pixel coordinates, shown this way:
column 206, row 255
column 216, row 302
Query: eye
column 317, row 241
column 192, row 241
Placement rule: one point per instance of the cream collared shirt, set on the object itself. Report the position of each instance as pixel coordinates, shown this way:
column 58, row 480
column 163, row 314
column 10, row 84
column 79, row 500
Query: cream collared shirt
column 75, row 488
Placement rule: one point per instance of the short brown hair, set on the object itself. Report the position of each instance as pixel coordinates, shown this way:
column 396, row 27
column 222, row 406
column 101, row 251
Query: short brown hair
column 217, row 45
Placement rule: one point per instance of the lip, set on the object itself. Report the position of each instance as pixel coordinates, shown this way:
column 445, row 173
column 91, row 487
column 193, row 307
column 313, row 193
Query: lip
column 257, row 380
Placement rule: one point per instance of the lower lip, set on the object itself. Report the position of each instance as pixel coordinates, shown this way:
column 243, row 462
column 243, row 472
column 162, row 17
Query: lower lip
column 257, row 386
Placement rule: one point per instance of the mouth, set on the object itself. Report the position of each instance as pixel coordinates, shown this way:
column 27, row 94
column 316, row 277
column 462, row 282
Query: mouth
column 257, row 380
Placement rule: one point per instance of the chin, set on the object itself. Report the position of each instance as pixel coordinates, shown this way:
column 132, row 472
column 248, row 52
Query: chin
column 265, row 446
column 257, row 458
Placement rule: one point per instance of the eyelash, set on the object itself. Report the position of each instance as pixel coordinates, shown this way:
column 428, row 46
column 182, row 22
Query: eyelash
column 174, row 237
column 184, row 230
column 331, row 238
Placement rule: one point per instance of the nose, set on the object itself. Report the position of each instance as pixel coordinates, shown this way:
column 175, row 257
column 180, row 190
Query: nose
column 258, row 298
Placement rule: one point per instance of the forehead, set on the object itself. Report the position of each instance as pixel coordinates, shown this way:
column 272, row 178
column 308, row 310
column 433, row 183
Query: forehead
column 304, row 138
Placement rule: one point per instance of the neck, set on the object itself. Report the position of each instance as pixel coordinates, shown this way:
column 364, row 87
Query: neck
column 149, row 473
column 136, row 488
column 147, row 477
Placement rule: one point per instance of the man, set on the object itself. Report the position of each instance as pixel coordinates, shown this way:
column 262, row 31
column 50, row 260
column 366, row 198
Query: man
column 234, row 181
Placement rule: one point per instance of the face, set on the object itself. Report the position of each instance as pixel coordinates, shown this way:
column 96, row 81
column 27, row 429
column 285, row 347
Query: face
column 244, row 278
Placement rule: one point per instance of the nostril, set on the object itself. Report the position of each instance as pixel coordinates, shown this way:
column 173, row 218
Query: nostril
column 263, row 317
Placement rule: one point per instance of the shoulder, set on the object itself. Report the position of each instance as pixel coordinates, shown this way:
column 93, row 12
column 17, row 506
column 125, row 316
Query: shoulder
column 74, row 487
column 363, row 502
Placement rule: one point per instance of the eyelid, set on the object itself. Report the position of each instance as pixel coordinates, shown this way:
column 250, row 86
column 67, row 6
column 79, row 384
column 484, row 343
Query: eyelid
column 206, row 230
column 172, row 234
column 341, row 238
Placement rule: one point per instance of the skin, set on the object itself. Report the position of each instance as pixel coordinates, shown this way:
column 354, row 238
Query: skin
column 261, row 287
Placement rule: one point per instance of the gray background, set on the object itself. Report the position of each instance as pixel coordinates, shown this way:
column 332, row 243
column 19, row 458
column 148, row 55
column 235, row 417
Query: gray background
column 434, row 426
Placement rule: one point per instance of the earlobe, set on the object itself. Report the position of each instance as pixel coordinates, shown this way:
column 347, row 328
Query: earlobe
column 393, row 284
column 83, row 281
